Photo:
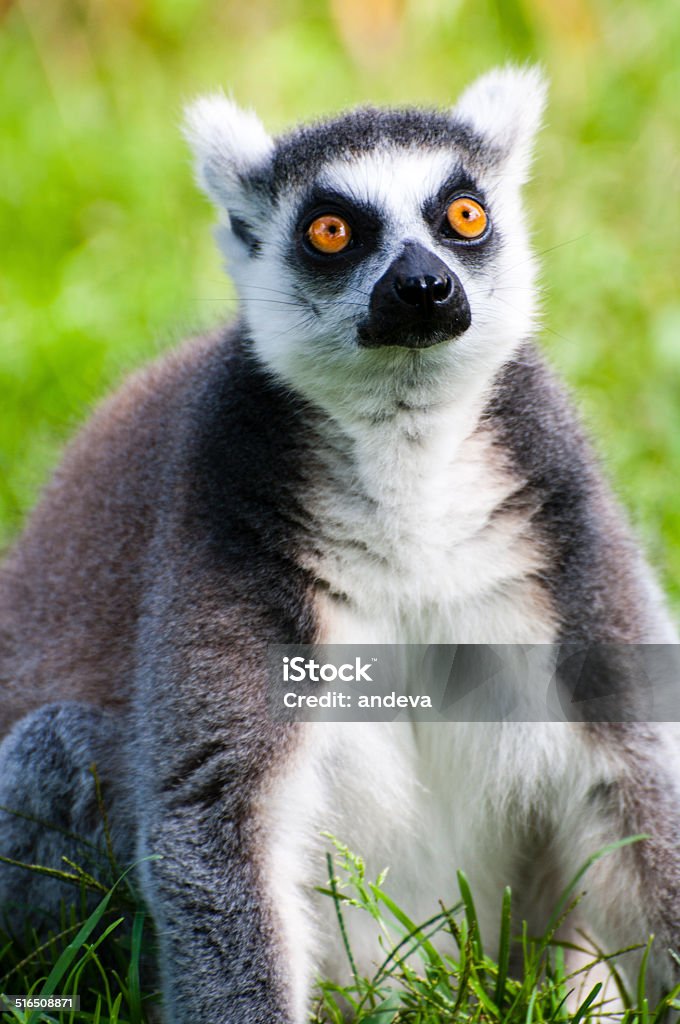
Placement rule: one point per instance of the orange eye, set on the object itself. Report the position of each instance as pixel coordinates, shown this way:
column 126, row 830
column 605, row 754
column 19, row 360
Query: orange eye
column 467, row 217
column 329, row 233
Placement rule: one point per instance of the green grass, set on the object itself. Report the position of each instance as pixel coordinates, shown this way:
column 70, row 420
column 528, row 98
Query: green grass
column 417, row 982
column 96, row 956
column 430, row 972
column 106, row 250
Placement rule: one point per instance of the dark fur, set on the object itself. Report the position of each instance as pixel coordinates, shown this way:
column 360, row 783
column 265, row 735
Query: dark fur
column 300, row 155
column 592, row 580
column 161, row 563
column 170, row 551
column 215, row 564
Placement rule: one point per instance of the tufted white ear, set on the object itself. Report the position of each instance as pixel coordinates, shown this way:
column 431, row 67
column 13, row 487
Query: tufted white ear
column 505, row 106
column 229, row 143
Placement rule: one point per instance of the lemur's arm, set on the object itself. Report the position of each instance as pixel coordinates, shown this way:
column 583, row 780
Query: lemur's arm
column 208, row 747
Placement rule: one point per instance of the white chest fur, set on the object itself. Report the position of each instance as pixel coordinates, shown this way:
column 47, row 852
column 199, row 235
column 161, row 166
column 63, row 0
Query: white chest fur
column 415, row 545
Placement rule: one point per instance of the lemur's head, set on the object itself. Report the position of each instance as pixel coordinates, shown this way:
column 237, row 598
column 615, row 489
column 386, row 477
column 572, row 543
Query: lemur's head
column 382, row 252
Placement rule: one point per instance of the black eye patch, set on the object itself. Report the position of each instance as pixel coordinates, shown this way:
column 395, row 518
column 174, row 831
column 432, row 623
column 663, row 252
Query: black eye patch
column 474, row 251
column 363, row 220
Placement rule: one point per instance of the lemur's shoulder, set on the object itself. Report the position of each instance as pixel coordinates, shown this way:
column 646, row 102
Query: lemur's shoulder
column 597, row 578
column 70, row 587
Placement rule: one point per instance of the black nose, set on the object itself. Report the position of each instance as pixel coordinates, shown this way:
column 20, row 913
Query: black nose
column 417, row 302
column 424, row 290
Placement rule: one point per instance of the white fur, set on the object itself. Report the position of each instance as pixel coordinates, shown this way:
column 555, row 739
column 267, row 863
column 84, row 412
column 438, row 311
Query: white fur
column 505, row 106
column 409, row 537
column 316, row 351
column 426, row 800
column 228, row 142
column 423, row 799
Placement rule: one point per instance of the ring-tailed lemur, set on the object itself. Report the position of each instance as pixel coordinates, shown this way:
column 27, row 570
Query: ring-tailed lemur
column 374, row 452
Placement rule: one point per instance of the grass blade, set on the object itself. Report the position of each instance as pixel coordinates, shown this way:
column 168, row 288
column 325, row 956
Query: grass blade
column 586, row 1004
column 341, row 921
column 504, row 947
column 135, row 993
column 471, row 914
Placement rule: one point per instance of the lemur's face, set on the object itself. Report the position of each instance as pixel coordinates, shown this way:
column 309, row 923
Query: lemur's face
column 383, row 249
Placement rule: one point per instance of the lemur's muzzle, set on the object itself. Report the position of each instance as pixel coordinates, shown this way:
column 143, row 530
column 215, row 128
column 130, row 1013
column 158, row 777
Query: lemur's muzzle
column 417, row 302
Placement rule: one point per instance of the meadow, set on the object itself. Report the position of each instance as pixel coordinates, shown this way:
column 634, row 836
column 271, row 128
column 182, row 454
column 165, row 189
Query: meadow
column 106, row 255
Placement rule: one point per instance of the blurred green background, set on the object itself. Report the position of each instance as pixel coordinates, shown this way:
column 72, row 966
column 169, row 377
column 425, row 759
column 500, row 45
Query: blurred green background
column 106, row 255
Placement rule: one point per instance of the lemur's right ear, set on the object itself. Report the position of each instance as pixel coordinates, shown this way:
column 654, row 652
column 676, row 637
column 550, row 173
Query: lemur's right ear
column 229, row 145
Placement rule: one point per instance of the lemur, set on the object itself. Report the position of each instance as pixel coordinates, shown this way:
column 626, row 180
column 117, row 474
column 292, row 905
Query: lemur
column 373, row 452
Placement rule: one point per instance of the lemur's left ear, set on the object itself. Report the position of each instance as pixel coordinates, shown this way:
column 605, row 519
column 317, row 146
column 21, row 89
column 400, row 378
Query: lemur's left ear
column 505, row 106
column 229, row 145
